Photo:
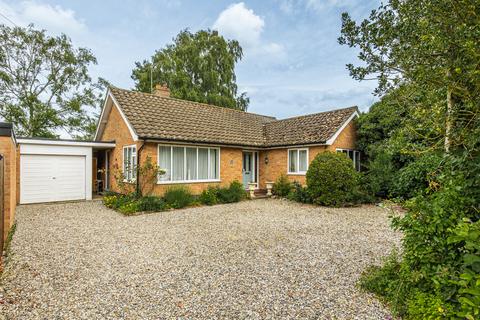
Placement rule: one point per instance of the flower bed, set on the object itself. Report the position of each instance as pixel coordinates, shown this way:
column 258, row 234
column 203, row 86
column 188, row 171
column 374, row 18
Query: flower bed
column 174, row 198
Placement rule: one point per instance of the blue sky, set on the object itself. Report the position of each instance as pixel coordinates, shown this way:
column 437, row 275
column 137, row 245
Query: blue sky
column 292, row 62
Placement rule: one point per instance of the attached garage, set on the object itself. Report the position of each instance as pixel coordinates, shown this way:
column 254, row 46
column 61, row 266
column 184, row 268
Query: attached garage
column 56, row 170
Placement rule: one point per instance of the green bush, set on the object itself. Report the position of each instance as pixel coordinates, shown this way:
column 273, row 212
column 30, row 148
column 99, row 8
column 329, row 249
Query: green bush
column 299, row 193
column 282, row 186
column 118, row 200
column 380, row 174
column 209, row 197
column 414, row 178
column 178, row 197
column 129, row 207
column 234, row 193
column 428, row 306
column 332, row 180
column 151, row 203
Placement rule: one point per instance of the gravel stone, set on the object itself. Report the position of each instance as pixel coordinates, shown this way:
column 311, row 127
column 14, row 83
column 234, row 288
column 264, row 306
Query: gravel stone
column 262, row 259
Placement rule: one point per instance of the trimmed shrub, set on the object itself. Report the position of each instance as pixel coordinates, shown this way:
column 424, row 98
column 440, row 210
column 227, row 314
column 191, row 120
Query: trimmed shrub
column 332, row 180
column 178, row 197
column 234, row 193
column 299, row 193
column 282, row 186
column 209, row 197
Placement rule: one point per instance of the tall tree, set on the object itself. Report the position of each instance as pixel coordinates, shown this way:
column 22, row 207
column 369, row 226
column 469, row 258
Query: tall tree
column 431, row 43
column 44, row 83
column 196, row 66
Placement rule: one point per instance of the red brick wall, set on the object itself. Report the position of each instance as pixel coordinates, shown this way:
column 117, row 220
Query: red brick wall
column 278, row 158
column 8, row 150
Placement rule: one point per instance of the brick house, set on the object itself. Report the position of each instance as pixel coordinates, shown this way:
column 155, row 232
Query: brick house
column 200, row 145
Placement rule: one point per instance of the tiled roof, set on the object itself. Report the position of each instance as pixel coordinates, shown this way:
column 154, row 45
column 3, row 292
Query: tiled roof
column 164, row 118
column 312, row 128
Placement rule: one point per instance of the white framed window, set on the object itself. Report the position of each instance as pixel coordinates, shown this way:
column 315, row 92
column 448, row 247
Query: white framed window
column 130, row 163
column 297, row 161
column 188, row 163
column 354, row 155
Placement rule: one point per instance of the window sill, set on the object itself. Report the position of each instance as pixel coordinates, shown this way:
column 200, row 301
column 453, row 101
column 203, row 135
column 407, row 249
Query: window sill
column 296, row 173
column 129, row 181
column 188, row 181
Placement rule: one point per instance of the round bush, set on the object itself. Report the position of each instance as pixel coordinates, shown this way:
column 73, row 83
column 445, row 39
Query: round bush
column 332, row 180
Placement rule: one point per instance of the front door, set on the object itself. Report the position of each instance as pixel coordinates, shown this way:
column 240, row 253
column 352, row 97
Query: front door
column 249, row 169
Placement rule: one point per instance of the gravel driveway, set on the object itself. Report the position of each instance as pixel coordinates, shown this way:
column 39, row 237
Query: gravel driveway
column 258, row 259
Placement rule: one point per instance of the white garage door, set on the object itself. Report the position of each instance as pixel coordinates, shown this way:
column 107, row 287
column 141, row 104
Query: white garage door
column 45, row 178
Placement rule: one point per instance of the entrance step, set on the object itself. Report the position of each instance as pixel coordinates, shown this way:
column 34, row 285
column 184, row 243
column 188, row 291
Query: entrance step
column 260, row 194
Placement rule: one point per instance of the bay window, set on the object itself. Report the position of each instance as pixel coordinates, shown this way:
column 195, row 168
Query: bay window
column 297, row 161
column 130, row 163
column 185, row 164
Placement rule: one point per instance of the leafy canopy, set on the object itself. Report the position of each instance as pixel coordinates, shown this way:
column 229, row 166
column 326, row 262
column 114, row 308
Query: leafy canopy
column 432, row 45
column 425, row 56
column 44, row 83
column 197, row 67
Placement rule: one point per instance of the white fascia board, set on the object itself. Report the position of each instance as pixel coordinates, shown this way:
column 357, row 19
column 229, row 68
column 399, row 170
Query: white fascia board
column 101, row 125
column 335, row 136
column 66, row 143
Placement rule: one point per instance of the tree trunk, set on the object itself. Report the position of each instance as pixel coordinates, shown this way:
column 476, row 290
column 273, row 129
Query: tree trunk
column 448, row 121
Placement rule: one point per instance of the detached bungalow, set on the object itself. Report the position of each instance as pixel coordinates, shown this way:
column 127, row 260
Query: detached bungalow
column 200, row 145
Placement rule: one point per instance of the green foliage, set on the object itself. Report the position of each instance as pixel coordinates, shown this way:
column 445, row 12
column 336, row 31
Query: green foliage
column 44, row 84
column 332, row 180
column 174, row 198
column 151, row 203
column 416, row 177
column 385, row 282
column 428, row 306
column 234, row 193
column 178, row 197
column 282, row 186
column 467, row 233
column 209, row 196
column 8, row 243
column 300, row 193
column 197, row 67
column 213, row 195
column 424, row 55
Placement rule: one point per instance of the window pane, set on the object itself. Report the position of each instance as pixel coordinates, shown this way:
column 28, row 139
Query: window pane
column 202, row 164
column 191, row 173
column 178, row 163
column 292, row 166
column 213, row 174
column 357, row 160
column 303, row 161
column 133, row 165
column 350, row 154
column 164, row 161
column 125, row 161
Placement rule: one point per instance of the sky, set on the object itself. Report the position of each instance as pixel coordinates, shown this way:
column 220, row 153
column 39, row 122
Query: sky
column 292, row 64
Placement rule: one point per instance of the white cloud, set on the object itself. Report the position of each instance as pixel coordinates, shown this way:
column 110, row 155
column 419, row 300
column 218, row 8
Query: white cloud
column 241, row 23
column 55, row 19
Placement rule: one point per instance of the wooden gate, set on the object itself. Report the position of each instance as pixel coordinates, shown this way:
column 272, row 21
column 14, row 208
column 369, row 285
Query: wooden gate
column 2, row 205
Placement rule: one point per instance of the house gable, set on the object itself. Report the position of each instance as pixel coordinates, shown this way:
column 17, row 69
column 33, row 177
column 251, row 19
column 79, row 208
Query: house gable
column 111, row 105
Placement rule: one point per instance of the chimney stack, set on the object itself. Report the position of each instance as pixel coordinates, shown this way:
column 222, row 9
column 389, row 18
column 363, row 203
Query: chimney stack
column 161, row 90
